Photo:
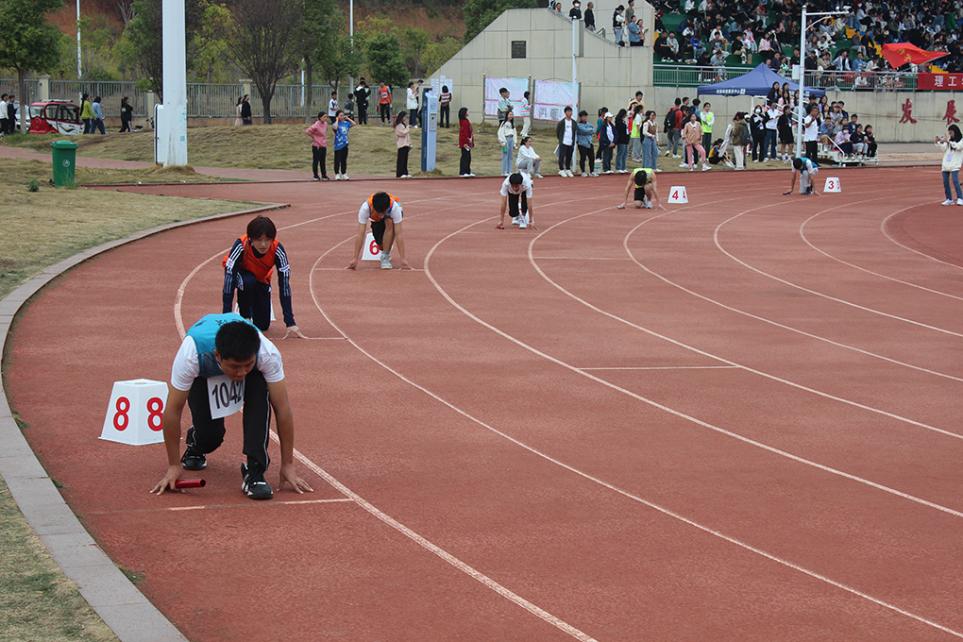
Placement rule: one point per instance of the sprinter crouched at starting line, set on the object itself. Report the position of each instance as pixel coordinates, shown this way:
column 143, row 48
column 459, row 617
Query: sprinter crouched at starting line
column 383, row 211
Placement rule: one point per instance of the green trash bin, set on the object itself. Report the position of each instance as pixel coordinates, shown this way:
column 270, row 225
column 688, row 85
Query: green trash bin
column 64, row 162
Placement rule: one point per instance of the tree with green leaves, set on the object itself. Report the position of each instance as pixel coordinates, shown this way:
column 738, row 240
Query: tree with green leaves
column 385, row 61
column 320, row 36
column 481, row 13
column 28, row 42
column 143, row 40
column 265, row 44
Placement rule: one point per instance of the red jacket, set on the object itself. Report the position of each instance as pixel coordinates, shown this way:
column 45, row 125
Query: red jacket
column 465, row 137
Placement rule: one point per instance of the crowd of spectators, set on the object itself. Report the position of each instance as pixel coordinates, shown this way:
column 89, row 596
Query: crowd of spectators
column 734, row 32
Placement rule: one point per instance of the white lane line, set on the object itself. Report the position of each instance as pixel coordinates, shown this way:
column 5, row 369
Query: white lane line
column 334, row 500
column 802, row 234
column 179, row 298
column 882, row 227
column 699, row 351
column 655, row 404
column 581, row 258
column 371, row 508
column 661, row 368
column 624, row 493
column 789, row 328
column 428, row 545
column 829, row 297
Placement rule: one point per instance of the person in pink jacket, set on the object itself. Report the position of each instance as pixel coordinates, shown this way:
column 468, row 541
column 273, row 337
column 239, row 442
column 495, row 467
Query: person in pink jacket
column 319, row 145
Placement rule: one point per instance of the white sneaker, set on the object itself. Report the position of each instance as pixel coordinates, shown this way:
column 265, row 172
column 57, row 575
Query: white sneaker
column 523, row 221
column 657, row 170
column 948, row 202
column 385, row 261
column 607, row 172
column 561, row 173
column 465, row 175
column 676, row 156
column 515, row 220
column 959, row 201
column 471, row 175
column 337, row 177
column 539, row 176
column 569, row 174
column 684, row 165
column 706, row 168
column 668, row 153
column 345, row 177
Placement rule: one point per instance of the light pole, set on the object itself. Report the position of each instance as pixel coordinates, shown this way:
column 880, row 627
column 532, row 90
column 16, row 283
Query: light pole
column 824, row 15
column 80, row 71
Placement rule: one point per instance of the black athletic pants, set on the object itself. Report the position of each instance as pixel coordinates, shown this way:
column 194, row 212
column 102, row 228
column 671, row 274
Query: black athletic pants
column 513, row 201
column 385, row 113
column 758, row 148
column 444, row 117
column 464, row 167
column 401, row 167
column 209, row 433
column 341, row 160
column 812, row 150
column 318, row 155
column 586, row 153
column 565, row 156
column 254, row 300
column 362, row 113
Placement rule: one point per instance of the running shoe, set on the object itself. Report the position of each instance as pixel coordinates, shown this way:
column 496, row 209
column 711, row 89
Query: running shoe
column 253, row 483
column 193, row 458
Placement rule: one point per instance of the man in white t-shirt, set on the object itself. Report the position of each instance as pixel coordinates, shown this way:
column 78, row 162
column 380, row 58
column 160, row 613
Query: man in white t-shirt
column 565, row 133
column 383, row 211
column 516, row 193
column 811, row 134
column 222, row 360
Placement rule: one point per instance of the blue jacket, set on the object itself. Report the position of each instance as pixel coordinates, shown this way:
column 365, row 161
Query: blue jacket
column 583, row 135
column 98, row 110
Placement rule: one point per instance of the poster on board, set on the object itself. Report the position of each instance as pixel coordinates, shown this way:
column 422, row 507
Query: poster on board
column 551, row 98
column 516, row 91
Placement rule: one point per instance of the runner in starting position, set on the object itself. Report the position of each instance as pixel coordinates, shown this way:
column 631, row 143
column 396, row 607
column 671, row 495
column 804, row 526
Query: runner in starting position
column 646, row 189
column 516, row 194
column 224, row 352
column 384, row 213
column 806, row 169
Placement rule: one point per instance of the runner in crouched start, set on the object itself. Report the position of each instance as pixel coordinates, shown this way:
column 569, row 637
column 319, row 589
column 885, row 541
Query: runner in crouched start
column 384, row 213
column 249, row 266
column 806, row 169
column 646, row 189
column 225, row 350
column 516, row 194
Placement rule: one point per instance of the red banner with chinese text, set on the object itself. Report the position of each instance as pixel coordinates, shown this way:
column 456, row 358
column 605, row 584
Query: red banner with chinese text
column 938, row 82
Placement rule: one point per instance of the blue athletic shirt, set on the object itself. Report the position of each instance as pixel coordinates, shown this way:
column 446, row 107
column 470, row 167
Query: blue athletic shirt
column 341, row 135
column 195, row 358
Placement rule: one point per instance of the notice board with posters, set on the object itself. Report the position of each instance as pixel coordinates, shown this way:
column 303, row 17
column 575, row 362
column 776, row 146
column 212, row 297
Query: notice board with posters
column 552, row 97
column 516, row 88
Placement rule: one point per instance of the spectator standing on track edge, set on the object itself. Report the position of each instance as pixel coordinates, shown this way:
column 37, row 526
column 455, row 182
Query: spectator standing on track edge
column 565, row 133
column 319, row 146
column 466, row 141
column 361, row 95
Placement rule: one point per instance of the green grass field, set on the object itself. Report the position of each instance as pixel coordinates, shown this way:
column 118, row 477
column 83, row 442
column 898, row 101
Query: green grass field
column 37, row 602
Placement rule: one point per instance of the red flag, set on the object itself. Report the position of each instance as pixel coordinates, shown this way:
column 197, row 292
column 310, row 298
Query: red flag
column 898, row 54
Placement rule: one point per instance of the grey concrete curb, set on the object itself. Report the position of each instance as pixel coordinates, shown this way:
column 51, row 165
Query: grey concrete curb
column 111, row 594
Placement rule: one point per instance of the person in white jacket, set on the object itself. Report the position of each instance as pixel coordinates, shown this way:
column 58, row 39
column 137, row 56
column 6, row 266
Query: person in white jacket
column 506, row 138
column 528, row 161
column 952, row 146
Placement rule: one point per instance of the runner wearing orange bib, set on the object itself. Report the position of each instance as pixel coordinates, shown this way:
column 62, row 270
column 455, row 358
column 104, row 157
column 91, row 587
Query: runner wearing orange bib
column 249, row 267
column 383, row 211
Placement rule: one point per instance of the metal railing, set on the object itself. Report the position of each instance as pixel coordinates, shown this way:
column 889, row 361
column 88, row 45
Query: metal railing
column 693, row 76
column 204, row 100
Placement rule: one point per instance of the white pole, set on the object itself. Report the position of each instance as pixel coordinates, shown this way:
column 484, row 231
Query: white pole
column 173, row 135
column 575, row 24
column 351, row 21
column 302, row 85
column 80, row 71
column 802, row 84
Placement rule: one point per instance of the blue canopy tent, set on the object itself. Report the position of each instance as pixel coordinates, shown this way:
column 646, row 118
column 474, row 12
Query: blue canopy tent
column 757, row 82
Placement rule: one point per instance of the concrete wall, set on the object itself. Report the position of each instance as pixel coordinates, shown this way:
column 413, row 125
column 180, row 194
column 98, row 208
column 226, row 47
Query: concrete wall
column 608, row 74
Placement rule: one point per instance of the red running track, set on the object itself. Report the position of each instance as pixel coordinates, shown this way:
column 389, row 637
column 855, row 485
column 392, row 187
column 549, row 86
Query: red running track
column 735, row 420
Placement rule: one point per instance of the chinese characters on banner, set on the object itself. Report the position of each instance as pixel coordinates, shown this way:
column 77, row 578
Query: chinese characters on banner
column 907, row 113
column 940, row 82
column 950, row 115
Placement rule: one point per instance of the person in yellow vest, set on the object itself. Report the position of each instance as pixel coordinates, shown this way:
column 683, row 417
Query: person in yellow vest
column 646, row 189
column 708, row 120
column 383, row 211
column 248, row 268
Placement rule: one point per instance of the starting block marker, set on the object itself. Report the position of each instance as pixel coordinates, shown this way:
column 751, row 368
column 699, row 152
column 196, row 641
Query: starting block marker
column 678, row 194
column 135, row 413
column 371, row 250
column 833, row 185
